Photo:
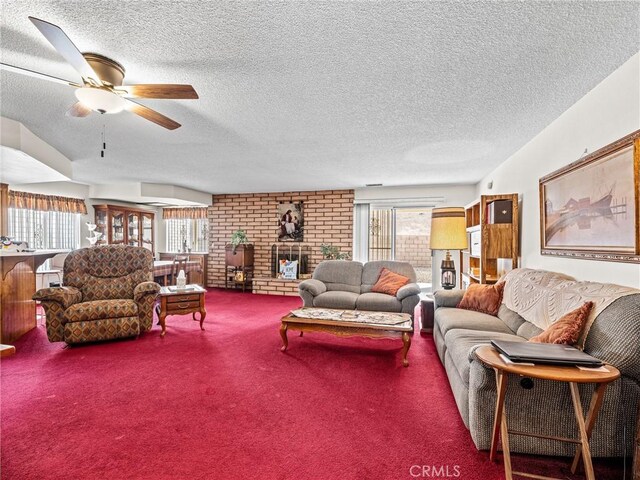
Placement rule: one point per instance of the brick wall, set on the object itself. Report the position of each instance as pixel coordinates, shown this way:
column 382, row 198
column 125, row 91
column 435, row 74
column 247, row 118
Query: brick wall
column 328, row 218
column 415, row 250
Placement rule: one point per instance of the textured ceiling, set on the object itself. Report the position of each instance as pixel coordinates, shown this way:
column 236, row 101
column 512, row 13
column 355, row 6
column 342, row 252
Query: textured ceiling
column 312, row 95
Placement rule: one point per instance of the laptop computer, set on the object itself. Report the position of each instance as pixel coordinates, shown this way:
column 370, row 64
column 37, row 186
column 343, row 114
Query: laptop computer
column 545, row 353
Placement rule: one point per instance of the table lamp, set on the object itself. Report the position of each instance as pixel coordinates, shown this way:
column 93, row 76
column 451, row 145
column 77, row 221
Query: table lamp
column 448, row 232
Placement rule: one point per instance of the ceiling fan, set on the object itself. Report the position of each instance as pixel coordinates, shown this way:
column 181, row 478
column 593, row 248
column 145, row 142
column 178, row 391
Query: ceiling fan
column 101, row 89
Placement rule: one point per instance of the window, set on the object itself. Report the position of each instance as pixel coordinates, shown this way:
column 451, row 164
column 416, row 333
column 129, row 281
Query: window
column 187, row 232
column 45, row 229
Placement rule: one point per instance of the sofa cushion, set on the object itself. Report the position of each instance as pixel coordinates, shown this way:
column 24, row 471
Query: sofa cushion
column 95, row 288
column 336, row 299
column 108, row 271
column 378, row 302
column 615, row 336
column 528, row 330
column 483, row 298
column 389, row 282
column 566, row 330
column 446, row 319
column 100, row 309
column 460, row 347
column 510, row 318
column 371, row 272
column 342, row 275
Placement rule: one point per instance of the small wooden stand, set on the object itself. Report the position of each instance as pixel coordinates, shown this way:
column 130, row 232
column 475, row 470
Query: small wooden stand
column 238, row 268
column 570, row 374
column 180, row 302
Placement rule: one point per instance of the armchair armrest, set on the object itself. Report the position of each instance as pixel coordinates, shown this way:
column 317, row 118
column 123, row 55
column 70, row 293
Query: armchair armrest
column 448, row 298
column 65, row 296
column 408, row 290
column 145, row 288
column 313, row 286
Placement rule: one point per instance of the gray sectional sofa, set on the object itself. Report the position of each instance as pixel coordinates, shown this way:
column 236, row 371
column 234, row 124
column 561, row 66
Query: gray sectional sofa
column 345, row 284
column 614, row 337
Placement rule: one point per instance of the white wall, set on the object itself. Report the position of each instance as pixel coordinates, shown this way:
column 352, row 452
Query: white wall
column 610, row 111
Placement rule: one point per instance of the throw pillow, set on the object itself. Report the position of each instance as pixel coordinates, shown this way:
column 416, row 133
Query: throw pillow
column 389, row 282
column 567, row 329
column 483, row 298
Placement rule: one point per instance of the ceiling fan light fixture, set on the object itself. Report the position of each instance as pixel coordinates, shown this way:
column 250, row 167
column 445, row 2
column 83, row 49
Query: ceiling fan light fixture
column 100, row 100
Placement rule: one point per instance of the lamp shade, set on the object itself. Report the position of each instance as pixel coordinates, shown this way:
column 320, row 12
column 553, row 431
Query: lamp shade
column 448, row 228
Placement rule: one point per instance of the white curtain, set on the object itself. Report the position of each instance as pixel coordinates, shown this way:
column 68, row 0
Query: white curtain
column 361, row 232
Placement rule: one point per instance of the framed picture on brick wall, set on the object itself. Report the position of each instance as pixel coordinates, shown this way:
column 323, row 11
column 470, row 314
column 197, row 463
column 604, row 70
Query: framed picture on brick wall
column 290, row 222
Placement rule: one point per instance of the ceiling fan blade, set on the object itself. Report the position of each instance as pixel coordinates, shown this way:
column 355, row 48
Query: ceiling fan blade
column 152, row 115
column 160, row 90
column 31, row 73
column 65, row 47
column 78, row 110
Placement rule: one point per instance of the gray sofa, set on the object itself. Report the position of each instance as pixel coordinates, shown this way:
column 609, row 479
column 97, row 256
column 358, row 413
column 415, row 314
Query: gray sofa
column 347, row 285
column 614, row 337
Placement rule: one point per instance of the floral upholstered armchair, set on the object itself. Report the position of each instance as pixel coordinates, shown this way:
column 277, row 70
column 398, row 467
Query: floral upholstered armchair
column 108, row 293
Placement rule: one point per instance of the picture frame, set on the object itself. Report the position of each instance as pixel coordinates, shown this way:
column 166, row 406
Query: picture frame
column 290, row 218
column 590, row 208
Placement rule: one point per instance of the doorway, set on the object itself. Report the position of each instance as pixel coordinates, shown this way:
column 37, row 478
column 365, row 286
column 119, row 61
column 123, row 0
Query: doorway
column 402, row 234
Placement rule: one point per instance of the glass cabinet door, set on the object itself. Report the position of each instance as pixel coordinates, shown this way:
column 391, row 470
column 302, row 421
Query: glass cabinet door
column 133, row 229
column 101, row 224
column 147, row 231
column 117, row 227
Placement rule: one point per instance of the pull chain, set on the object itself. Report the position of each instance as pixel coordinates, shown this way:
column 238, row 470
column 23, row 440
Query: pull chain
column 104, row 141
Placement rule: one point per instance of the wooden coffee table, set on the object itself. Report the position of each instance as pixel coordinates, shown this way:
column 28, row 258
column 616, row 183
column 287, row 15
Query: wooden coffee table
column 180, row 302
column 350, row 323
column 569, row 374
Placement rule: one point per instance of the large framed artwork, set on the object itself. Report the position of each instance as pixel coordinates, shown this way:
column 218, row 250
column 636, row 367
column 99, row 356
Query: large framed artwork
column 590, row 209
column 290, row 222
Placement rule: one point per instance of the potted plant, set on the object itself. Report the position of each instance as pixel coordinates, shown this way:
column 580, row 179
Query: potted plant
column 329, row 252
column 239, row 237
column 239, row 252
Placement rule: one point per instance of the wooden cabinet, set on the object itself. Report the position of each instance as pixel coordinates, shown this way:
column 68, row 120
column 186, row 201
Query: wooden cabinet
column 492, row 231
column 238, row 268
column 17, row 286
column 124, row 225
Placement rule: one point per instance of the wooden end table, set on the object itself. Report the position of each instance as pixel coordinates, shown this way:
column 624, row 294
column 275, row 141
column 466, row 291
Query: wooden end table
column 570, row 374
column 180, row 302
column 349, row 328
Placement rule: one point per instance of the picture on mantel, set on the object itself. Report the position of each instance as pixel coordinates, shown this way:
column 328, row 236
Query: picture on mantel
column 290, row 222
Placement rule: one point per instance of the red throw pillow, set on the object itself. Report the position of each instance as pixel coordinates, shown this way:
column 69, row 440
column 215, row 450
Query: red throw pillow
column 389, row 282
column 567, row 329
column 483, row 298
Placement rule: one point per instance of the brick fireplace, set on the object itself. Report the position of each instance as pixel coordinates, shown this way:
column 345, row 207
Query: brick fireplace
column 328, row 218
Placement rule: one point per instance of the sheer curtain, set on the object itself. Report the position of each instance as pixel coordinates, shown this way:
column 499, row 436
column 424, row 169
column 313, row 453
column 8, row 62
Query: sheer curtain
column 45, row 229
column 361, row 232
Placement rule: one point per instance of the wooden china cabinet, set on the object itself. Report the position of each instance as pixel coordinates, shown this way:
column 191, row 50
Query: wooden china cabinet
column 125, row 225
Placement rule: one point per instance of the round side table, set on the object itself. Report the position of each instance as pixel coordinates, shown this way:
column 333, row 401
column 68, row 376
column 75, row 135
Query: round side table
column 569, row 374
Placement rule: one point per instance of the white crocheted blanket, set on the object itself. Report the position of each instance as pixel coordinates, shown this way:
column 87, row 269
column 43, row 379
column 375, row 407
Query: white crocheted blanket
column 542, row 297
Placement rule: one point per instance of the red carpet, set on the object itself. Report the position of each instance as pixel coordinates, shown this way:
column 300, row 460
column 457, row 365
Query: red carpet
column 226, row 403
